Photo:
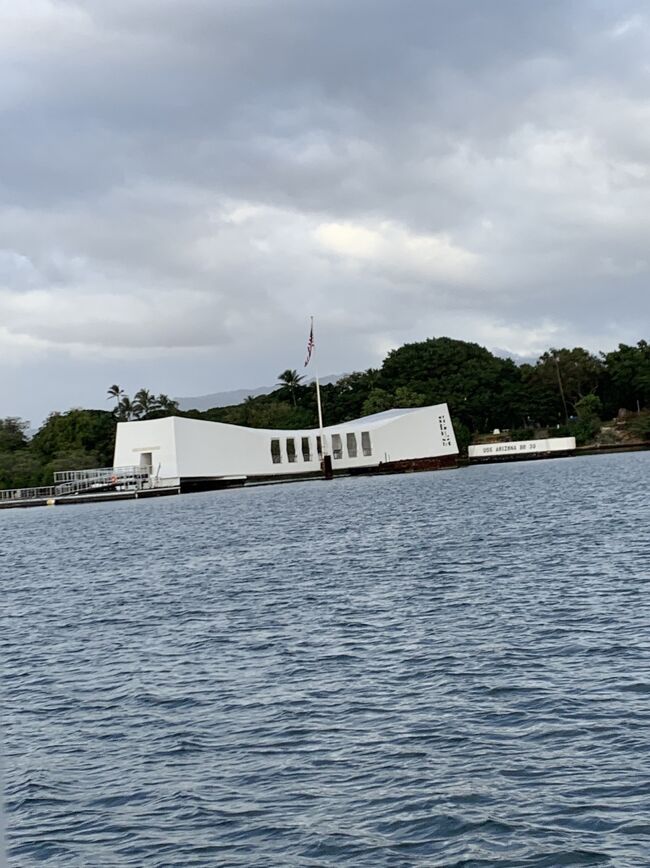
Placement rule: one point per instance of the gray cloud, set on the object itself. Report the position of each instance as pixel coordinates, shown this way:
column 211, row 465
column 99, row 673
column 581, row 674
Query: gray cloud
column 184, row 183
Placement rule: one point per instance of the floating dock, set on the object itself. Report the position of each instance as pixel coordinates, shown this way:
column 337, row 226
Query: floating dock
column 89, row 497
column 89, row 486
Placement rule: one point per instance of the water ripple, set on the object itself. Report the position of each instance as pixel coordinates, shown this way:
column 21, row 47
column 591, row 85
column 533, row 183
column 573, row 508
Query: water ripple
column 447, row 669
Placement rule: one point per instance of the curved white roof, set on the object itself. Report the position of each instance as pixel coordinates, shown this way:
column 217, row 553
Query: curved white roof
column 378, row 418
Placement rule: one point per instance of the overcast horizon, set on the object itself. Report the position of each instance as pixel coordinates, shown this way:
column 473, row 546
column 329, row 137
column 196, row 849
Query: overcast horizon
column 184, row 184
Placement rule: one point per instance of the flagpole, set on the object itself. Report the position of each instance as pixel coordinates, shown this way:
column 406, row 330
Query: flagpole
column 320, row 413
column 326, row 461
column 320, row 417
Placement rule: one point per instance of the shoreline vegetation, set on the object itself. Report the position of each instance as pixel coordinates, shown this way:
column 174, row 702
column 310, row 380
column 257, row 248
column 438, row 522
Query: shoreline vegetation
column 602, row 400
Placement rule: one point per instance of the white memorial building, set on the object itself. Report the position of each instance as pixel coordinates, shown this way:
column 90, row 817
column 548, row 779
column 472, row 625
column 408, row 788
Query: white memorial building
column 182, row 451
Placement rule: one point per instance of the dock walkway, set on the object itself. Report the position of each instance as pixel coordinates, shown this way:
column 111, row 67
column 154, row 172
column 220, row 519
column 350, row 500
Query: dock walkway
column 89, row 486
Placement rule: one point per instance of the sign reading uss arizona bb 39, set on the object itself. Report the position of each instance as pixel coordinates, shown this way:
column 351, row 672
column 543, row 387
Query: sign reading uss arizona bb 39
column 522, row 447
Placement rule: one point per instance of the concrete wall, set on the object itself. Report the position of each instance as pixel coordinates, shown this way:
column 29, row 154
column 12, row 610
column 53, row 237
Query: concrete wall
column 156, row 436
column 190, row 448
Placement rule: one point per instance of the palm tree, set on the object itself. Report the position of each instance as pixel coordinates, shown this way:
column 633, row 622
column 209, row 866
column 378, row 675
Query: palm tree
column 249, row 410
column 115, row 392
column 144, row 402
column 290, row 379
column 126, row 410
column 165, row 403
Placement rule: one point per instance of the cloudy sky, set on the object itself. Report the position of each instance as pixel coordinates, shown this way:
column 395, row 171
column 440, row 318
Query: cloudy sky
column 184, row 182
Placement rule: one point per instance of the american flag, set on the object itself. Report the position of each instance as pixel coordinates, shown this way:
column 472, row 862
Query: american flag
column 310, row 343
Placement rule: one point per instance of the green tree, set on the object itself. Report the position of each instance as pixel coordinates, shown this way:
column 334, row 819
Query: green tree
column 162, row 406
column 377, row 401
column 20, row 468
column 407, row 397
column 88, row 431
column 348, row 396
column 166, row 404
column 72, row 459
column 483, row 391
column 627, row 380
column 115, row 392
column 13, row 434
column 541, row 403
column 574, row 373
column 144, row 402
column 463, row 435
column 588, row 424
column 126, row 410
column 639, row 426
column 290, row 380
column 589, row 407
column 271, row 413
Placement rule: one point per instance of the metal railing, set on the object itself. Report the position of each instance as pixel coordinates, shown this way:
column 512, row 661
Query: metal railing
column 75, row 475
column 42, row 493
column 70, row 482
column 75, row 481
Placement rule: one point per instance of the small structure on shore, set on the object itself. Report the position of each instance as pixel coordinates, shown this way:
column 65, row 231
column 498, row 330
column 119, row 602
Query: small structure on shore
column 548, row 447
column 193, row 453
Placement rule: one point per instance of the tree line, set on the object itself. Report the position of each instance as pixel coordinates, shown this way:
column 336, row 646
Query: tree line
column 144, row 405
column 75, row 440
column 566, row 391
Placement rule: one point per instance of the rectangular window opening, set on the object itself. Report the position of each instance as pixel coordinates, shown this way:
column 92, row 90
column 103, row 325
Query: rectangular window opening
column 319, row 447
column 291, row 450
column 366, row 445
column 351, row 442
column 337, row 446
column 306, row 449
column 276, row 455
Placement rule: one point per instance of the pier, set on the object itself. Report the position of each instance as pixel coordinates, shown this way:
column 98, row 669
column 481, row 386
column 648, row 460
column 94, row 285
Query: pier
column 89, row 486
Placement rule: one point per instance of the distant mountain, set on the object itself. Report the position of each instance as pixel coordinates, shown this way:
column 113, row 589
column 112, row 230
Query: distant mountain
column 220, row 399
column 236, row 396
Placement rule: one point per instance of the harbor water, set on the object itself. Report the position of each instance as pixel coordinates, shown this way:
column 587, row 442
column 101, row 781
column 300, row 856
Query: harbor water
column 438, row 669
